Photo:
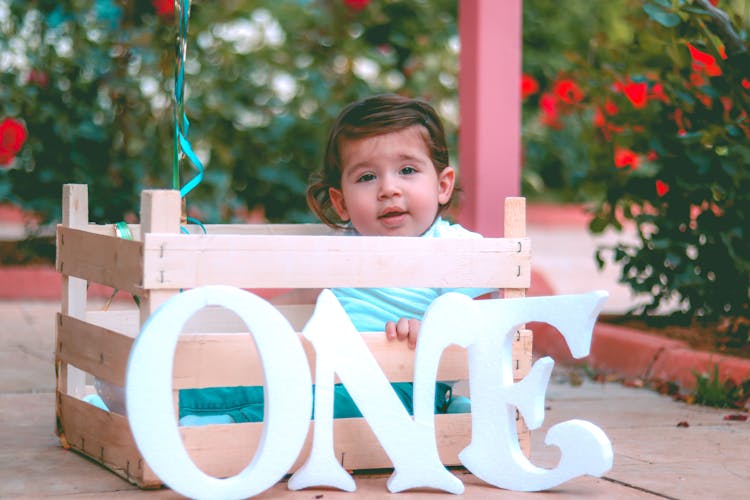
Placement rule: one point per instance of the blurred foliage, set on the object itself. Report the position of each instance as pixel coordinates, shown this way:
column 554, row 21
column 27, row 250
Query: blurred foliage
column 649, row 124
column 93, row 83
column 637, row 107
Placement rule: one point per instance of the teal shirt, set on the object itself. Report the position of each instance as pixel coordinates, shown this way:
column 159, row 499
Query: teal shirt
column 371, row 308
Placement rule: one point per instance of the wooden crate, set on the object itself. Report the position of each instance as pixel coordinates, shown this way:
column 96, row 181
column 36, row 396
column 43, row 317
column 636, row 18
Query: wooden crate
column 215, row 349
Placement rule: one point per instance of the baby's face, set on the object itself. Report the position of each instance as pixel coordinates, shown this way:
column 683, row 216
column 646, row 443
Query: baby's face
column 389, row 185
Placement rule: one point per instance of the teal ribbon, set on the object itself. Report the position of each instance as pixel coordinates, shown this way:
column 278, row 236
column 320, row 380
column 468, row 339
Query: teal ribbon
column 184, row 230
column 181, row 123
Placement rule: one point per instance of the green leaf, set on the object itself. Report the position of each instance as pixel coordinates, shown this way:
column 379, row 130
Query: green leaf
column 658, row 14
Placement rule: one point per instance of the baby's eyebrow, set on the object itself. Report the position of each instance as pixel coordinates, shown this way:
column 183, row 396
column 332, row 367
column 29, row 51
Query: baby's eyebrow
column 408, row 157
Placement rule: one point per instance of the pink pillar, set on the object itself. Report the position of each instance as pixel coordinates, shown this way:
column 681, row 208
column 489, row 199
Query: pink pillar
column 489, row 145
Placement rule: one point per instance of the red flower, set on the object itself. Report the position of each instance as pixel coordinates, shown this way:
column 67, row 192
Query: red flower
column 550, row 116
column 38, row 77
column 705, row 99
column 356, row 5
column 599, row 120
column 696, row 79
column 657, row 92
column 625, row 157
column 610, row 107
column 529, row 86
column 652, row 155
column 635, row 92
column 12, row 136
column 164, row 8
column 703, row 61
column 568, row 91
column 662, row 187
column 680, row 121
column 746, row 83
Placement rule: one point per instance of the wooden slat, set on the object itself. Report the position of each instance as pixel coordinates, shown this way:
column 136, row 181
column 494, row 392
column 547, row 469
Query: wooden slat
column 102, row 229
column 331, row 261
column 96, row 350
column 229, row 359
column 236, row 229
column 105, row 437
column 207, row 320
column 108, row 260
column 123, row 321
column 262, row 229
column 210, row 360
column 224, row 450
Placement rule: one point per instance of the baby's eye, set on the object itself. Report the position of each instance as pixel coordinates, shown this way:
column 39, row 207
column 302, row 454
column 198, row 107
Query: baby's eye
column 366, row 177
column 408, row 170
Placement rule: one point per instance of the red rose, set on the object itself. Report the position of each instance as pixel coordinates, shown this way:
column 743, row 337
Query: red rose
column 568, row 91
column 635, row 92
column 38, row 77
column 662, row 188
column 164, row 8
column 657, row 92
column 625, row 157
column 529, row 86
column 550, row 116
column 12, row 136
column 356, row 5
column 599, row 120
column 703, row 61
column 610, row 107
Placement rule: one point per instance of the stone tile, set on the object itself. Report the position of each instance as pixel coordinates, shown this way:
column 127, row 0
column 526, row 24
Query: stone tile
column 26, row 370
column 690, row 480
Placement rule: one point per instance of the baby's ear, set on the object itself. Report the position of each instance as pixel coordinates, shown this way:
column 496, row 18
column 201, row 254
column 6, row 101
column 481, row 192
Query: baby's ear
column 337, row 200
column 446, row 183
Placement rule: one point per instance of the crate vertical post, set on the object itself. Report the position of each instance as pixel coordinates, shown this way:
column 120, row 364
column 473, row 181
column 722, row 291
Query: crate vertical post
column 161, row 210
column 515, row 227
column 75, row 213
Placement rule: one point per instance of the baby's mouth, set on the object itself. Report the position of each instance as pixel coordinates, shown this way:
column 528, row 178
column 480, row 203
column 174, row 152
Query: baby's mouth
column 391, row 214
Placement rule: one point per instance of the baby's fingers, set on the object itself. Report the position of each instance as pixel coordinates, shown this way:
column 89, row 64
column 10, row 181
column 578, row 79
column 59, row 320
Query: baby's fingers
column 390, row 330
column 414, row 325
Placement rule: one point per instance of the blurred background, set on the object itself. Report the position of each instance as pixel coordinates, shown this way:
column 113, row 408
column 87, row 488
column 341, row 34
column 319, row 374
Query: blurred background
column 635, row 109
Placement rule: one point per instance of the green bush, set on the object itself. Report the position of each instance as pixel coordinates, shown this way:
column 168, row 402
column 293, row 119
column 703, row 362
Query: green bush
column 650, row 126
column 92, row 83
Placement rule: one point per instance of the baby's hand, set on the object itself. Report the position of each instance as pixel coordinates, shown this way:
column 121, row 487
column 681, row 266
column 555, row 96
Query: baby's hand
column 405, row 329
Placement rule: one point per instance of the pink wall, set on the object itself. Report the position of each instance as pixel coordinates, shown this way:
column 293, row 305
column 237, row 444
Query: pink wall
column 489, row 146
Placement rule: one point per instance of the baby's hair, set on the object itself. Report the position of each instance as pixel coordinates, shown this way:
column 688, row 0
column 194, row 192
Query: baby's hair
column 376, row 115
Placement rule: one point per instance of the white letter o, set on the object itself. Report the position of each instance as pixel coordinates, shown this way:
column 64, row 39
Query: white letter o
column 151, row 412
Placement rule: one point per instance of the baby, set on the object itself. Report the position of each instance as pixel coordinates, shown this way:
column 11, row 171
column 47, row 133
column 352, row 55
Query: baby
column 386, row 172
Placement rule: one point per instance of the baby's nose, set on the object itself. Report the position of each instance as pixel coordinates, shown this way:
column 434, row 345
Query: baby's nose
column 389, row 187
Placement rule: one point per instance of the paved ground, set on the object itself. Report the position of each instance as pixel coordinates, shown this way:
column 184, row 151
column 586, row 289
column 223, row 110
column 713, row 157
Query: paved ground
column 663, row 448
